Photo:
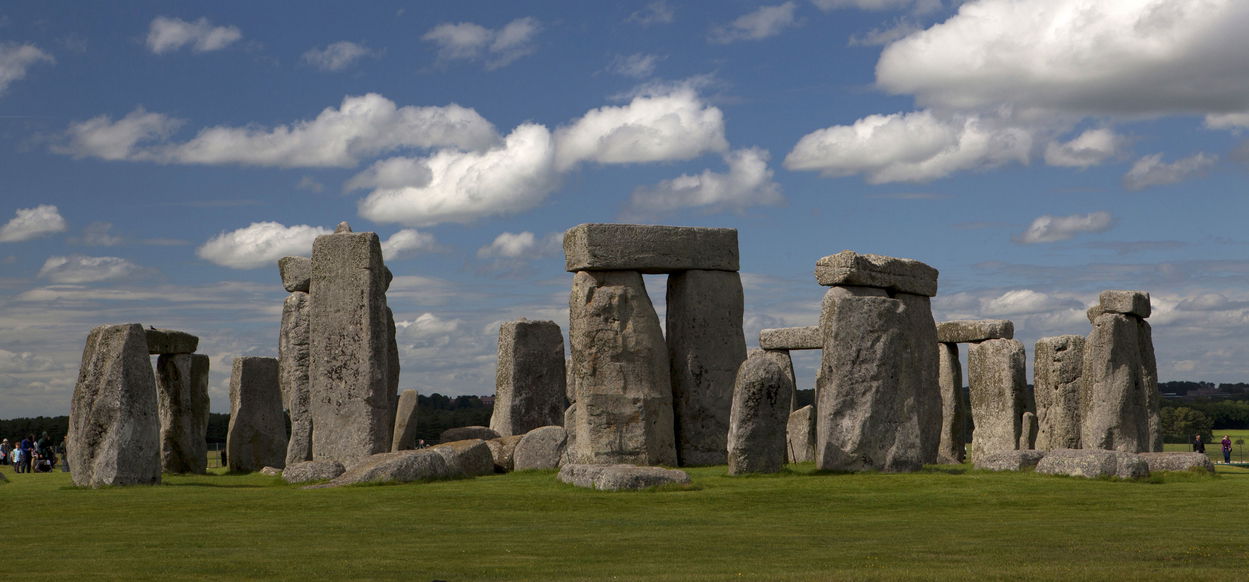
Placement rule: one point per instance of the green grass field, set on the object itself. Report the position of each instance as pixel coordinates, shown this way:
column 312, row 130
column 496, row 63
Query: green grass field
column 948, row 522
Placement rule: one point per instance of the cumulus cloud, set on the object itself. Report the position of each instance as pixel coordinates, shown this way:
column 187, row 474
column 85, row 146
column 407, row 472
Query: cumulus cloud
column 425, row 327
column 522, row 244
column 97, row 234
column 919, row 5
column 407, row 242
column 1090, row 148
column 336, row 56
column 747, row 183
column 473, row 42
column 101, row 137
column 32, row 223
column 1239, row 120
column 260, row 244
column 23, row 362
column 637, row 65
column 82, row 269
column 910, row 147
column 167, row 34
column 1152, row 171
column 1025, row 301
column 654, row 13
column 1047, row 228
column 15, row 59
column 766, row 21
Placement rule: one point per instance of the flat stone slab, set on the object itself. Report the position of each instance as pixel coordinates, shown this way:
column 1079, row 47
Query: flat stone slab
column 170, row 341
column 1093, row 464
column 649, row 248
column 296, row 273
column 461, row 433
column 306, row 471
column 620, row 477
column 1126, row 302
column 792, row 338
column 471, row 457
column 1178, row 462
column 400, row 467
column 849, row 268
column 961, row 331
column 1009, row 460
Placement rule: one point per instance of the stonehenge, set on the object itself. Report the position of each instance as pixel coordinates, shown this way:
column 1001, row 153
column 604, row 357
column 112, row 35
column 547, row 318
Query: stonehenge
column 760, row 413
column 257, row 432
column 529, row 377
column 182, row 398
column 1119, row 379
column 405, row 422
column 1057, row 365
column 997, row 376
column 955, row 407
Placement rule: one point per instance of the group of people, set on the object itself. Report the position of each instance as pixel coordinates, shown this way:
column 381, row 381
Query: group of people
column 1199, row 446
column 31, row 455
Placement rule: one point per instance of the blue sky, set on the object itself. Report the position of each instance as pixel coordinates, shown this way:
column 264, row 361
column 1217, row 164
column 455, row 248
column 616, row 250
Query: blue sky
column 157, row 158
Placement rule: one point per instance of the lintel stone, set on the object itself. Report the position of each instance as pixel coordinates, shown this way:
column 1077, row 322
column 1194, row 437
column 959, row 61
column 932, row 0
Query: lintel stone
column 963, row 331
column 168, row 341
column 296, row 273
column 899, row 275
column 792, row 338
column 649, row 249
column 1126, row 302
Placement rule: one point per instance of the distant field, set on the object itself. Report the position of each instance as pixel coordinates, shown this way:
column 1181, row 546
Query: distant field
column 946, row 523
column 1240, row 453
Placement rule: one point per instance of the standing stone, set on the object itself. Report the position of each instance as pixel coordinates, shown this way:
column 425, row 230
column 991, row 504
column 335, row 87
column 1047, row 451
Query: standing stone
column 620, row 372
column 1027, row 431
column 529, row 385
column 392, row 364
column 1119, row 386
column 706, row 345
column 829, row 309
column 293, row 364
column 114, row 427
column 183, row 449
column 788, row 362
column 997, row 378
column 405, row 422
column 257, row 432
column 760, row 414
column 922, row 380
column 351, row 395
column 200, row 406
column 953, row 448
column 1057, row 365
column 800, row 435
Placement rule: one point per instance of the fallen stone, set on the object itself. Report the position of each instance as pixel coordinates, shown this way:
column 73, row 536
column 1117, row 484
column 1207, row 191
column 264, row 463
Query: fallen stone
column 541, row 448
column 1126, row 302
column 649, row 248
column 114, row 426
column 182, row 435
column 529, row 389
column 296, row 273
column 305, row 471
column 271, row 471
column 1093, row 464
column 1057, row 365
column 761, row 404
column 257, row 431
column 963, row 331
column 791, row 338
column 463, row 433
column 405, row 422
column 952, row 448
column 849, row 268
column 998, row 389
column 293, row 366
column 1178, row 462
column 168, row 341
column 1027, row 430
column 503, row 449
column 471, row 457
column 1119, row 395
column 620, row 477
column 800, row 435
column 400, row 467
column 1009, row 460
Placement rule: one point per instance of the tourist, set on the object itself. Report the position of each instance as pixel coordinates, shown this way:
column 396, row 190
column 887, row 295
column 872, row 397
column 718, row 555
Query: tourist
column 17, row 459
column 1198, row 446
column 1227, row 450
column 5, row 449
column 28, row 452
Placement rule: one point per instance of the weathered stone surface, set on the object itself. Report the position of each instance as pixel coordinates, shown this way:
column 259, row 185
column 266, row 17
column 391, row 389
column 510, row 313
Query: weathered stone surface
column 305, row 471
column 953, row 441
column 342, row 227
column 1119, row 386
column 541, row 448
column 997, row 379
column 620, row 477
column 921, row 379
column 620, row 372
column 649, row 248
column 200, row 407
column 791, row 338
column 400, row 467
column 405, row 422
column 787, row 362
column 351, row 404
column 761, row 403
column 849, row 268
column 828, row 317
column 271, row 471
column 463, row 433
column 392, row 370
column 706, row 344
column 961, row 331
column 1027, row 431
column 182, row 433
column 1093, row 464
column 1009, row 460
column 293, row 366
column 1125, row 302
column 503, row 449
column 114, row 426
column 529, row 389
column 800, row 435
column 1178, row 462
column 169, row 341
column 471, row 457
column 1057, row 365
column 257, row 433
column 296, row 273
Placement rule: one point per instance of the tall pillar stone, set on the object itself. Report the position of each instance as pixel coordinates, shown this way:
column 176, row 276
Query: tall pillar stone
column 200, row 407
column 293, row 365
column 996, row 374
column 1027, row 431
column 529, row 387
column 256, row 437
column 1057, row 365
column 114, row 424
column 1119, row 382
column 706, row 345
column 921, row 331
column 800, row 435
column 760, row 411
column 183, row 449
column 953, row 448
column 405, row 422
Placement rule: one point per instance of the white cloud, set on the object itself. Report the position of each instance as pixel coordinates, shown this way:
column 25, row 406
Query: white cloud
column 310, row 184
column 1078, row 56
column 407, row 242
column 653, row 127
column 15, row 59
column 1093, row 147
column 97, row 234
column 767, row 21
column 426, row 326
column 169, row 34
column 82, row 269
column 910, row 147
column 32, row 223
column 523, row 244
column 747, row 183
column 1238, row 120
column 336, row 56
column 1024, row 301
column 463, row 186
column 1047, row 228
column 23, row 362
column 1152, row 171
column 100, row 137
column 472, row 42
column 654, row 13
column 637, row 65
column 920, row 5
column 260, row 244
column 392, row 173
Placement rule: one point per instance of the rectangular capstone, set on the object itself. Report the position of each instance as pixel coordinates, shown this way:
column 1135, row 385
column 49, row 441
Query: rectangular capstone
column 168, row 341
column 899, row 275
column 962, row 331
column 296, row 273
column 791, row 338
column 649, row 248
column 1126, row 302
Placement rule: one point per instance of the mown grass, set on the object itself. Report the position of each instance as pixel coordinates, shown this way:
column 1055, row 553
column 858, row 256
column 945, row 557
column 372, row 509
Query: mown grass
column 949, row 522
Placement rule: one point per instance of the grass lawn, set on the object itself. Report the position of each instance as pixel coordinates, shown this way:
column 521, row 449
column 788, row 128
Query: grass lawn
column 946, row 523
